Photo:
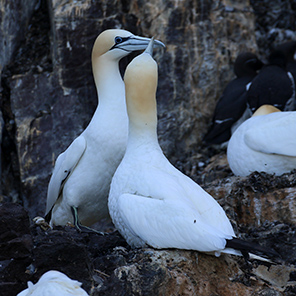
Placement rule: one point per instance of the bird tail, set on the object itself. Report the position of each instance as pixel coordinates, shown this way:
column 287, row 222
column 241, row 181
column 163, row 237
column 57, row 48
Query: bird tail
column 250, row 250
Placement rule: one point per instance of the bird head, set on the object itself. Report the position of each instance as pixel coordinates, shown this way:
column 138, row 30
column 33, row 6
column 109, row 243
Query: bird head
column 289, row 49
column 118, row 43
column 247, row 64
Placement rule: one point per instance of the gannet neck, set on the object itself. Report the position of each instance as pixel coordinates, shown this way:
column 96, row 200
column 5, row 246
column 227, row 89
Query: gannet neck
column 105, row 61
column 107, row 78
column 140, row 85
column 266, row 109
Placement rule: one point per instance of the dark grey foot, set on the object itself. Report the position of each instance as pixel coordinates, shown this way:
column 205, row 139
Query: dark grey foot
column 80, row 227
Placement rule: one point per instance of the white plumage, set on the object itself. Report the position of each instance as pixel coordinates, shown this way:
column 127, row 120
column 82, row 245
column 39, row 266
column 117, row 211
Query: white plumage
column 54, row 283
column 82, row 174
column 266, row 142
column 150, row 201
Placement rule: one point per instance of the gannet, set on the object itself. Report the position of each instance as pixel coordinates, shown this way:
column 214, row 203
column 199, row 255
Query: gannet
column 54, row 283
column 150, row 201
column 265, row 142
column 231, row 109
column 82, row 174
column 273, row 85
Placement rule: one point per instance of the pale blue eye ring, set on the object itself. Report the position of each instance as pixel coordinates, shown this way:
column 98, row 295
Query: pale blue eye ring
column 118, row 39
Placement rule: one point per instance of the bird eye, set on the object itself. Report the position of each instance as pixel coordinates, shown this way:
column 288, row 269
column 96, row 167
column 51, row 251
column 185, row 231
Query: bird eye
column 118, row 39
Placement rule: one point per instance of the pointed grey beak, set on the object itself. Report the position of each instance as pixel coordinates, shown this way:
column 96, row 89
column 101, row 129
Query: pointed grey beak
column 134, row 43
column 149, row 48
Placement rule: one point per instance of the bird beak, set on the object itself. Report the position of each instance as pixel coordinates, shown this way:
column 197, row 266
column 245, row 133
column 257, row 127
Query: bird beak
column 134, row 43
column 149, row 48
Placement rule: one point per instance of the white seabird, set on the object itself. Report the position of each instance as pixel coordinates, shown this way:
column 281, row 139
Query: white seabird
column 150, row 201
column 54, row 283
column 265, row 142
column 82, row 174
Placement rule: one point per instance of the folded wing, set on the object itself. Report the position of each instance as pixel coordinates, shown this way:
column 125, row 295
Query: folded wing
column 64, row 165
column 273, row 134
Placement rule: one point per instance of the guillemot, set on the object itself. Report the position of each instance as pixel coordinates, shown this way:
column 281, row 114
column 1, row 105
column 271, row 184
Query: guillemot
column 231, row 109
column 273, row 85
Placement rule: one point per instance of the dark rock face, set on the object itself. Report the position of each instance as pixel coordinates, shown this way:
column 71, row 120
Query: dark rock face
column 50, row 80
column 274, row 23
column 48, row 97
column 15, row 16
column 16, row 245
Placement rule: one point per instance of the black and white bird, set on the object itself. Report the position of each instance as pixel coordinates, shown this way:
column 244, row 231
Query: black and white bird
column 231, row 108
column 79, row 186
column 289, row 49
column 150, row 201
column 273, row 85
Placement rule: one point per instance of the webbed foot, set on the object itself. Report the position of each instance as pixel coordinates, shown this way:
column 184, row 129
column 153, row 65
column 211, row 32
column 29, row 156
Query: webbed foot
column 81, row 227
